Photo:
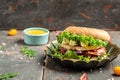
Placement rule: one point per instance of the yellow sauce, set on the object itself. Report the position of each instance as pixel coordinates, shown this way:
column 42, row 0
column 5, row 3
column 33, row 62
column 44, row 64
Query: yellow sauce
column 36, row 32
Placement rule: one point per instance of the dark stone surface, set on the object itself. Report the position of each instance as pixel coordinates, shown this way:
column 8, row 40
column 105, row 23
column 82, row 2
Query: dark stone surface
column 12, row 60
column 58, row 14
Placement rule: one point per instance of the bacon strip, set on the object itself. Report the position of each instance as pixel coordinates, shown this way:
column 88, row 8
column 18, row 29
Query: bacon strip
column 98, row 52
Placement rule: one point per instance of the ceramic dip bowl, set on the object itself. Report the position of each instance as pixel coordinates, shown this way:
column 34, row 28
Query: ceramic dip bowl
column 36, row 36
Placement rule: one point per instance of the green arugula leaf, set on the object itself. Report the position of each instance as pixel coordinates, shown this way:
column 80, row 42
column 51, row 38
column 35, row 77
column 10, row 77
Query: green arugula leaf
column 81, row 57
column 29, row 52
column 59, row 55
column 56, row 52
column 1, row 47
column 7, row 76
column 104, row 56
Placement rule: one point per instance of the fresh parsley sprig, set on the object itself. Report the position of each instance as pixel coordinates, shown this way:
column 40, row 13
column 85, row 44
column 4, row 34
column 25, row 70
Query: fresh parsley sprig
column 29, row 52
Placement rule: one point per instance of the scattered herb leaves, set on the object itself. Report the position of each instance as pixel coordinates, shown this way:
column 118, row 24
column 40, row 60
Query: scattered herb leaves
column 7, row 76
column 29, row 52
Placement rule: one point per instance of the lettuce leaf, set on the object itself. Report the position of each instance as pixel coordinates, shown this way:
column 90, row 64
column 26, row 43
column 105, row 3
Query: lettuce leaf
column 70, row 54
column 87, row 40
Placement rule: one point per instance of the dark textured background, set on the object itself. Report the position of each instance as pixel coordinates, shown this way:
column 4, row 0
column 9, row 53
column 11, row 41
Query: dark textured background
column 58, row 14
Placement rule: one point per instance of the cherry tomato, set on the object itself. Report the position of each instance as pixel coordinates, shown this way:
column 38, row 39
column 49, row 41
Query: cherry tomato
column 12, row 32
column 60, row 33
column 117, row 70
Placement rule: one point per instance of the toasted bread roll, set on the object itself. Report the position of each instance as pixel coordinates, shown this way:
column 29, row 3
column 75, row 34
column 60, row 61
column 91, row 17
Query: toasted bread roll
column 96, row 33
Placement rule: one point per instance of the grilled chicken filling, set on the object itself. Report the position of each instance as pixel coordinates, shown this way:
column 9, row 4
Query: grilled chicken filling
column 95, row 52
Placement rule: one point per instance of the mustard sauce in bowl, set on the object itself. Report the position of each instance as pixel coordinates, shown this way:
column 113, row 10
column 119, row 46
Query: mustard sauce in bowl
column 35, row 32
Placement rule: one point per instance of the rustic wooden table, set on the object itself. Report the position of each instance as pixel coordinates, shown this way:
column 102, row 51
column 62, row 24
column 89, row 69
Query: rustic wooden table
column 12, row 60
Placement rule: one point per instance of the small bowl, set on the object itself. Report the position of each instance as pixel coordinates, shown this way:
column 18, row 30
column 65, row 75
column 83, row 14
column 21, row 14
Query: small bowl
column 36, row 39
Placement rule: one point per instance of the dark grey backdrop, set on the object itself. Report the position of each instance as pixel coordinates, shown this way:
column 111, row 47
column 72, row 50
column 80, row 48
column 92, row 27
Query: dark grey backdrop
column 58, row 14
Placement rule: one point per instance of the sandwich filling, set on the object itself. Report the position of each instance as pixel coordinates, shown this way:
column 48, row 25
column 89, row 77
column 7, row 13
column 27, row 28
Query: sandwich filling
column 81, row 47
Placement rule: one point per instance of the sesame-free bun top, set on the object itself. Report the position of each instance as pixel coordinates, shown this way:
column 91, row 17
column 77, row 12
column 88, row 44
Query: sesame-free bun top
column 96, row 33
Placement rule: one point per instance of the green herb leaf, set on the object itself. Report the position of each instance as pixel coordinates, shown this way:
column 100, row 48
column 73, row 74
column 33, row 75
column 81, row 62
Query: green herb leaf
column 70, row 54
column 7, row 76
column 81, row 57
column 56, row 52
column 87, row 59
column 1, row 47
column 104, row 56
column 58, row 55
column 29, row 52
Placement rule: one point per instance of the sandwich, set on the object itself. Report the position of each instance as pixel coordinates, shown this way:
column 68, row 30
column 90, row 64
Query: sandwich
column 81, row 43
